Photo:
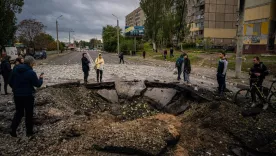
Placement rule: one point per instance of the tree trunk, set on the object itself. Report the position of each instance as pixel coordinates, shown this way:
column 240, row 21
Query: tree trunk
column 240, row 39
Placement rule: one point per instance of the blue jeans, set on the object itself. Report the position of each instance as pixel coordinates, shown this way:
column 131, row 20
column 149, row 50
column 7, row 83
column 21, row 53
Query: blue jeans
column 179, row 73
column 186, row 76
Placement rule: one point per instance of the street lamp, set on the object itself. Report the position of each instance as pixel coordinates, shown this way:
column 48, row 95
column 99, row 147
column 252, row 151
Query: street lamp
column 57, row 32
column 118, row 39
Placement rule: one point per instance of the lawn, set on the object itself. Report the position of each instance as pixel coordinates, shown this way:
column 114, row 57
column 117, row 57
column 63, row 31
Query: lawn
column 210, row 58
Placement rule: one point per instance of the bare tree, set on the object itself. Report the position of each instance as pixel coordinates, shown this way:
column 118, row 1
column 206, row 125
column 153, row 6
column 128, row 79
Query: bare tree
column 28, row 30
column 240, row 39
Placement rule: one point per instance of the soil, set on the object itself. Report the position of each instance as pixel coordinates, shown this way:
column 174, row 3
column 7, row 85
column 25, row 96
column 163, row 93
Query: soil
column 70, row 119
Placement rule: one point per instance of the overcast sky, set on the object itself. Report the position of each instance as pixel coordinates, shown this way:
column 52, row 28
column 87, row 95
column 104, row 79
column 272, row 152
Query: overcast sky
column 85, row 17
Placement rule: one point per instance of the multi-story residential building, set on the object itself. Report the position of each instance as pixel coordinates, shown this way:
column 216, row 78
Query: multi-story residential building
column 214, row 19
column 259, row 25
column 136, row 18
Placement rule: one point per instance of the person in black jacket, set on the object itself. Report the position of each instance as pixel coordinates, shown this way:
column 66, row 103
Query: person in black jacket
column 6, row 71
column 221, row 73
column 23, row 80
column 257, row 75
column 85, row 66
column 121, row 56
column 187, row 69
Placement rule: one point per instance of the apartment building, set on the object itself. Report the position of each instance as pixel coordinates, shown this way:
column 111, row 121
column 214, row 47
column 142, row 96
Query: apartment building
column 259, row 26
column 136, row 18
column 214, row 19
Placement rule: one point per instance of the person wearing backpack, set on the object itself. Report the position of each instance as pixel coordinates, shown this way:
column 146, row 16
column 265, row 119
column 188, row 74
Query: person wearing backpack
column 178, row 65
column 257, row 75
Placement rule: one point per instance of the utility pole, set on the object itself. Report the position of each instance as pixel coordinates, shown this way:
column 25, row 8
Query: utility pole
column 57, row 33
column 118, row 35
column 70, row 36
column 240, row 39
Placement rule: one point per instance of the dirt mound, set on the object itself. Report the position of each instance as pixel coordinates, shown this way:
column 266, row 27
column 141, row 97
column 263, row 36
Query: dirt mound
column 219, row 128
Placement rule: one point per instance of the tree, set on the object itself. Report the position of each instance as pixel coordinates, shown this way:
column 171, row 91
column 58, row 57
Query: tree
column 109, row 35
column 28, row 30
column 165, row 20
column 8, row 8
column 43, row 40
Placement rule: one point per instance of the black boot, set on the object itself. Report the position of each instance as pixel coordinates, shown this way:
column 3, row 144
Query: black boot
column 13, row 133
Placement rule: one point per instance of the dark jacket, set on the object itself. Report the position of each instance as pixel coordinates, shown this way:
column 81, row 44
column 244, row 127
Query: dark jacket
column 6, row 68
column 259, row 68
column 121, row 55
column 179, row 62
column 165, row 52
column 187, row 65
column 85, row 64
column 222, row 67
column 23, row 80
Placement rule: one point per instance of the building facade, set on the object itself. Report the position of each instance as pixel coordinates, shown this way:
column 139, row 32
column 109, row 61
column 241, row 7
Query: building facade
column 136, row 18
column 259, row 26
column 213, row 19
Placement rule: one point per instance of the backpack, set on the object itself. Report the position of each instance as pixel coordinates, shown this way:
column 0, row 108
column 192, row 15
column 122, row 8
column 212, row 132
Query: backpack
column 179, row 62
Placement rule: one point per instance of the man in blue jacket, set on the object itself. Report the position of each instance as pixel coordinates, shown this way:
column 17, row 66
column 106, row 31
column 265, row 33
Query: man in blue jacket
column 23, row 80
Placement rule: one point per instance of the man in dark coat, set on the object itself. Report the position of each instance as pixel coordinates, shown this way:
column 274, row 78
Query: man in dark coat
column 257, row 75
column 23, row 80
column 85, row 66
column 121, row 56
column 6, row 71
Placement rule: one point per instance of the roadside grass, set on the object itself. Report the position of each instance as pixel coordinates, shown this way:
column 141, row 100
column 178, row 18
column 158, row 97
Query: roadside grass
column 268, row 60
column 202, row 56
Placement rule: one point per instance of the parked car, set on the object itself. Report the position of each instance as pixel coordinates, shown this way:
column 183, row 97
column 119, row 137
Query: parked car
column 40, row 55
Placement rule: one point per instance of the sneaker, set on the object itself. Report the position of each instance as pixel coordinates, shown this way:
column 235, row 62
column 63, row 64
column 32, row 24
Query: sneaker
column 265, row 106
column 254, row 104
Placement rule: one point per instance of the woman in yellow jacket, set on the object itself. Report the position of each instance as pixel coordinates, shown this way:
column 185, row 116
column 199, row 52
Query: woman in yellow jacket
column 99, row 67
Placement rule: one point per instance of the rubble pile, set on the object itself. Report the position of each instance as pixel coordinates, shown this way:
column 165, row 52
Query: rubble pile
column 140, row 118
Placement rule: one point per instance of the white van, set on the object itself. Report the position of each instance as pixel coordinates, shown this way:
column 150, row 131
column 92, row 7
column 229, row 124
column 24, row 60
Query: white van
column 12, row 52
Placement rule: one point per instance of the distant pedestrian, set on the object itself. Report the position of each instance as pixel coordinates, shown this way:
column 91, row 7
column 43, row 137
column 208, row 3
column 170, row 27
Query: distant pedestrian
column 171, row 52
column 144, row 54
column 121, row 56
column 165, row 54
column 6, row 72
column 85, row 67
column 19, row 60
column 22, row 81
column 187, row 69
column 178, row 65
column 221, row 73
column 99, row 67
column 156, row 50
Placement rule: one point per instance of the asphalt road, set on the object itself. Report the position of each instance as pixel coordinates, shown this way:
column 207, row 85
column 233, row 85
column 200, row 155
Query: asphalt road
column 75, row 58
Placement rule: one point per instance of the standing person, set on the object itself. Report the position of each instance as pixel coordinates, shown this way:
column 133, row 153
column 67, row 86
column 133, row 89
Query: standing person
column 121, row 56
column 85, row 67
column 6, row 71
column 171, row 52
column 165, row 54
column 99, row 66
column 23, row 80
column 144, row 54
column 19, row 60
column 187, row 69
column 257, row 75
column 221, row 73
column 178, row 65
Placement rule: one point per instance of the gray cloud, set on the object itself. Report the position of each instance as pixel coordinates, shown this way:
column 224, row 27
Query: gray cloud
column 85, row 17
